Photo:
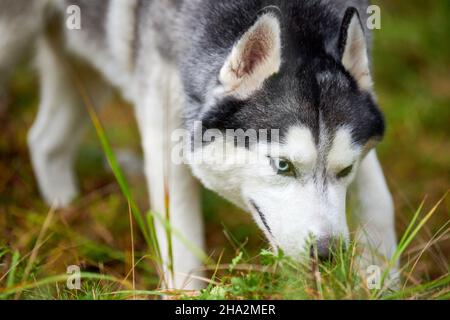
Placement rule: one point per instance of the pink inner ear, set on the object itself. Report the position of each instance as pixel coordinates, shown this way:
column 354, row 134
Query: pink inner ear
column 256, row 51
column 254, row 58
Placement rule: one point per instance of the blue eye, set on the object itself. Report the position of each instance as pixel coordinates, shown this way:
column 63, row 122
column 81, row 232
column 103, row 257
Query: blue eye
column 344, row 173
column 283, row 167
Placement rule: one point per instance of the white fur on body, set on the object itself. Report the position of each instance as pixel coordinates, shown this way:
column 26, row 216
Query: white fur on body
column 158, row 110
column 154, row 86
column 16, row 36
column 156, row 92
column 376, row 211
column 57, row 131
column 114, row 61
column 121, row 19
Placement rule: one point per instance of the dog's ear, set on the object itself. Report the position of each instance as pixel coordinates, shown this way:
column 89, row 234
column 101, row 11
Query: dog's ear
column 353, row 49
column 254, row 57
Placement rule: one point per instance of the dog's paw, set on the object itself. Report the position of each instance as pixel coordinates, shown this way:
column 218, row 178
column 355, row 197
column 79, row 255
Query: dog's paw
column 60, row 198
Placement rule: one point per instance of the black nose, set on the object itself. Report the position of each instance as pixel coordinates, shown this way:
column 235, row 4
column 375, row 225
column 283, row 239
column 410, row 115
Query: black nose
column 324, row 248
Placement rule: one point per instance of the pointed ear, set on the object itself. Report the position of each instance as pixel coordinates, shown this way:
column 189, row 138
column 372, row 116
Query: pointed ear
column 353, row 49
column 254, row 58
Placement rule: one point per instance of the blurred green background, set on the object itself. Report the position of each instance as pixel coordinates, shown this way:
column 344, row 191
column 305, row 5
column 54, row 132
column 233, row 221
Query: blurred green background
column 412, row 76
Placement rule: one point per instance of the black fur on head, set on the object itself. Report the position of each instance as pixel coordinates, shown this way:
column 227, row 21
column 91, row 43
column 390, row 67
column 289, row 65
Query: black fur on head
column 311, row 89
column 349, row 14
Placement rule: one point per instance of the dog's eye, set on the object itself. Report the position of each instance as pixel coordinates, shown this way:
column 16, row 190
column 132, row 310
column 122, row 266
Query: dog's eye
column 283, row 167
column 344, row 173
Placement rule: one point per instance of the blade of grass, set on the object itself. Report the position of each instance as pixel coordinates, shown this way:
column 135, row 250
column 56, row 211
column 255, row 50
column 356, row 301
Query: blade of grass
column 436, row 237
column 132, row 249
column 406, row 241
column 412, row 223
column 36, row 247
column 216, row 269
column 409, row 292
column 170, row 266
column 135, row 293
column 192, row 247
column 3, row 252
column 115, row 167
column 154, row 239
column 56, row 279
column 408, row 238
column 12, row 271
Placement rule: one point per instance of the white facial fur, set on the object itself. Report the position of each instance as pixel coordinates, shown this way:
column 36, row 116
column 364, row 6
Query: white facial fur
column 312, row 204
column 343, row 152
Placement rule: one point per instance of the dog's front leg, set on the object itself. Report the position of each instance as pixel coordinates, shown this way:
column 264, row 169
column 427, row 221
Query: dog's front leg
column 174, row 193
column 61, row 121
column 376, row 212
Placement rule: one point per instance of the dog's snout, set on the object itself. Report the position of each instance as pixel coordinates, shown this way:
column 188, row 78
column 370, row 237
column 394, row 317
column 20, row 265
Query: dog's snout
column 324, row 248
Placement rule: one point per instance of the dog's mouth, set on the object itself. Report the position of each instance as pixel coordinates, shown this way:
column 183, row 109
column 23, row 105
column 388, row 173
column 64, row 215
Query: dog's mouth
column 261, row 215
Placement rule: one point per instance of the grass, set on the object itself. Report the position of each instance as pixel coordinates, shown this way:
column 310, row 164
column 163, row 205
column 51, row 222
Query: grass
column 120, row 261
column 266, row 276
column 278, row 277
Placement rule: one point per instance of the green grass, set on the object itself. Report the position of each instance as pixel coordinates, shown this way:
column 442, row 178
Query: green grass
column 266, row 276
column 278, row 277
column 412, row 64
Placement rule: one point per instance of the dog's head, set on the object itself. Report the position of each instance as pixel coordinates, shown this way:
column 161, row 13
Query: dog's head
column 293, row 180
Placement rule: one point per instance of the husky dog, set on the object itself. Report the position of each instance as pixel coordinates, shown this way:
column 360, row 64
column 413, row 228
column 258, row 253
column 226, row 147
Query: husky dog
column 299, row 66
